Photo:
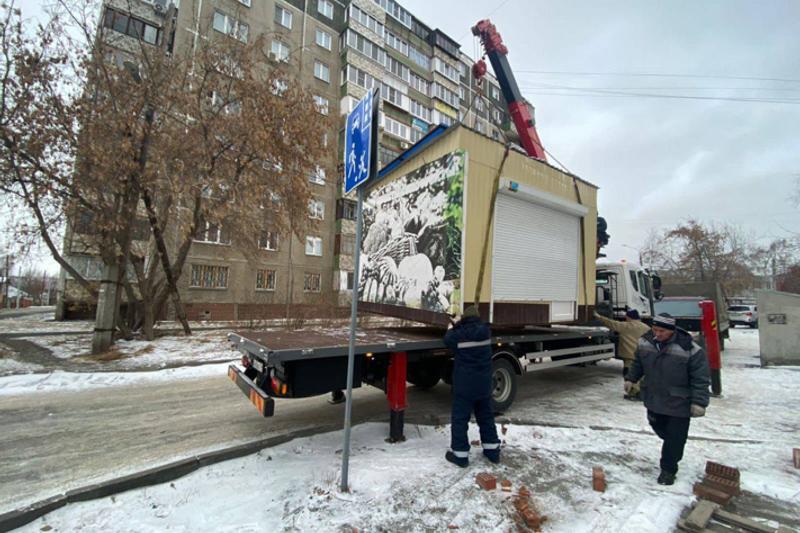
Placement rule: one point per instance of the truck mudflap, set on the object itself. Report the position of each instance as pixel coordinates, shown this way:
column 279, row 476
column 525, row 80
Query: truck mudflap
column 262, row 402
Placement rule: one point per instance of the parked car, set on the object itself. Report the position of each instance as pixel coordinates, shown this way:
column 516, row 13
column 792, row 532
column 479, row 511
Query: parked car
column 746, row 315
column 688, row 316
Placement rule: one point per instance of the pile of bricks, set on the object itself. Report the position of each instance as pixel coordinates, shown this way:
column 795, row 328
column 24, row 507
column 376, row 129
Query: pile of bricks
column 720, row 484
column 527, row 517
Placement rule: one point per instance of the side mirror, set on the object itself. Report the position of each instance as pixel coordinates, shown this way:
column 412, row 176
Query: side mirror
column 656, row 283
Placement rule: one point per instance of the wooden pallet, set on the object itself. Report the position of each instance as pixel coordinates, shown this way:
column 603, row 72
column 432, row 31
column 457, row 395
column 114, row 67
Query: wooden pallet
column 704, row 512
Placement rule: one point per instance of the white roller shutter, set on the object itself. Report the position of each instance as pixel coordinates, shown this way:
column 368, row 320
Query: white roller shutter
column 536, row 251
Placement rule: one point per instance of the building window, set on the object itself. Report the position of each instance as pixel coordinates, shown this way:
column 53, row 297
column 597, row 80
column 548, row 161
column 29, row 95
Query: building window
column 283, row 17
column 365, row 46
column 212, row 233
column 325, row 140
column 419, row 58
column 393, row 9
column 395, row 96
column 131, row 26
column 397, row 43
column 398, row 69
column 314, row 246
column 322, row 71
column 350, row 279
column 398, row 129
column 209, row 277
column 322, row 105
column 318, row 177
column 312, row 282
column 279, row 87
column 385, row 156
column 227, row 24
column 366, row 20
column 446, row 69
column 445, row 95
column 349, row 209
column 348, row 246
column 324, row 39
column 280, row 51
column 360, row 78
column 268, row 241
column 419, row 110
column 420, row 84
column 494, row 92
column 265, row 280
column 316, row 209
column 325, row 8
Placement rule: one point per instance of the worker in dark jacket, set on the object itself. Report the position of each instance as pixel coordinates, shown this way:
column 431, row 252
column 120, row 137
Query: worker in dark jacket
column 676, row 387
column 470, row 341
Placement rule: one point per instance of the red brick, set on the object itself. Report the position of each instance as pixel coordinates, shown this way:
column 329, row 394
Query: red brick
column 475, row 443
column 486, row 481
column 533, row 519
column 722, row 484
column 598, row 479
column 505, row 485
column 796, row 457
column 714, row 495
column 452, row 526
column 728, row 472
column 524, row 492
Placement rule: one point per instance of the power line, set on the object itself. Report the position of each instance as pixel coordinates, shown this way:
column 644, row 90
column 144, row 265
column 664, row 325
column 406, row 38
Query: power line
column 492, row 12
column 655, row 75
column 610, row 93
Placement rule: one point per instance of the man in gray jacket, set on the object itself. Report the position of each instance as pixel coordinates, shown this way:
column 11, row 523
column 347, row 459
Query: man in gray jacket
column 675, row 389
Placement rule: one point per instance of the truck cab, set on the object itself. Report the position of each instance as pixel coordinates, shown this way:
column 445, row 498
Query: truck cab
column 622, row 286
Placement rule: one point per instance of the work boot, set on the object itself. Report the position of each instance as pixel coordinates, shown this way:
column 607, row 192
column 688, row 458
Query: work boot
column 492, row 455
column 666, row 478
column 463, row 462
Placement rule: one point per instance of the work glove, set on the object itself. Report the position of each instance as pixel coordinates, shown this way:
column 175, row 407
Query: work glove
column 629, row 386
column 697, row 411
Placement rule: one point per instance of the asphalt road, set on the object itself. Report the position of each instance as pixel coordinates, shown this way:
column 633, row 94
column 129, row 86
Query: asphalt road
column 54, row 442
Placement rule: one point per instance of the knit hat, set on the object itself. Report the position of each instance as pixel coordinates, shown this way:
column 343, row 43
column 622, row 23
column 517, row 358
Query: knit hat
column 665, row 321
column 633, row 314
column 471, row 311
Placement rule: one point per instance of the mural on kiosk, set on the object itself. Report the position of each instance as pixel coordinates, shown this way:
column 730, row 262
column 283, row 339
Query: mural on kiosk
column 411, row 249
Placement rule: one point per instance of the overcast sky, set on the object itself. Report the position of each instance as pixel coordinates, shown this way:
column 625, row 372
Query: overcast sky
column 658, row 161
column 728, row 152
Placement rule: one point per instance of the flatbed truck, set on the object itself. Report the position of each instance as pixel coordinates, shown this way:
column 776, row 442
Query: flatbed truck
column 303, row 363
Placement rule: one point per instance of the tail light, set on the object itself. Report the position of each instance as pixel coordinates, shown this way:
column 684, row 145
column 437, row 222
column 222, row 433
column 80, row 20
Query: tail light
column 276, row 385
column 245, row 361
column 749, row 313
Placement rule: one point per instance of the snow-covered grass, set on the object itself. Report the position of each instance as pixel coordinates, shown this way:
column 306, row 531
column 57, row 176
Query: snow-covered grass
column 551, row 449
column 41, row 322
column 59, row 381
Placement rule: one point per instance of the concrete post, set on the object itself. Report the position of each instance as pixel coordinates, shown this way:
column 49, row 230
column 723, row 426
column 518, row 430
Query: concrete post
column 106, row 310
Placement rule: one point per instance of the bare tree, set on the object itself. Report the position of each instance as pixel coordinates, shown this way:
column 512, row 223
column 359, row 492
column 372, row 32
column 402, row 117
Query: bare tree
column 693, row 251
column 142, row 146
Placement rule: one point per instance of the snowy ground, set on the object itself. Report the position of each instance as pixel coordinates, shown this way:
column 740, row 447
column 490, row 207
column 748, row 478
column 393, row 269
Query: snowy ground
column 71, row 352
column 550, row 446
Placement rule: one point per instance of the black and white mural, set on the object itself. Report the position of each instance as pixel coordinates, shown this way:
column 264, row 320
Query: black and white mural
column 412, row 239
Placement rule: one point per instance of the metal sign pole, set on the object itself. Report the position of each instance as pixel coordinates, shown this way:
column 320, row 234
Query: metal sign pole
column 352, row 348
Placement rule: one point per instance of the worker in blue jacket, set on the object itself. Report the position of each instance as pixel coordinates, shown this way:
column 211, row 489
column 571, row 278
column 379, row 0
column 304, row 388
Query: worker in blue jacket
column 470, row 341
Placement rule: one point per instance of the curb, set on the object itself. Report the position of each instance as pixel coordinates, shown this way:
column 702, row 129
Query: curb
column 151, row 476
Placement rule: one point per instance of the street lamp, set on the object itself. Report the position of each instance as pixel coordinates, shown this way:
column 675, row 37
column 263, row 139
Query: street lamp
column 637, row 250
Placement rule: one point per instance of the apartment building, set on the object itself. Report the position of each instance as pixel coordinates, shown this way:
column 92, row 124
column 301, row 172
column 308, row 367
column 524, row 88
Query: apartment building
column 338, row 50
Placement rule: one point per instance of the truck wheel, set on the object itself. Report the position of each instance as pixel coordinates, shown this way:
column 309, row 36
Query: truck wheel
column 424, row 376
column 753, row 325
column 504, row 385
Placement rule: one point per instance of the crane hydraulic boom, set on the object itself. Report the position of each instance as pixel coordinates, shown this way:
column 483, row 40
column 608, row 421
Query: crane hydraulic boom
column 517, row 107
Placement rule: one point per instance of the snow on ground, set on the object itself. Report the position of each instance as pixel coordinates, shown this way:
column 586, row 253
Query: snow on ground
column 550, row 447
column 59, row 381
column 41, row 322
column 9, row 365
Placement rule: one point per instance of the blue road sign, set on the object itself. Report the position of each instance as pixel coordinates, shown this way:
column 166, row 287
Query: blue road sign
column 358, row 144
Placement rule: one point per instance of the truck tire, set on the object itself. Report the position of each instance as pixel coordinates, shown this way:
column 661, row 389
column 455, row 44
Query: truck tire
column 504, row 385
column 424, row 375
